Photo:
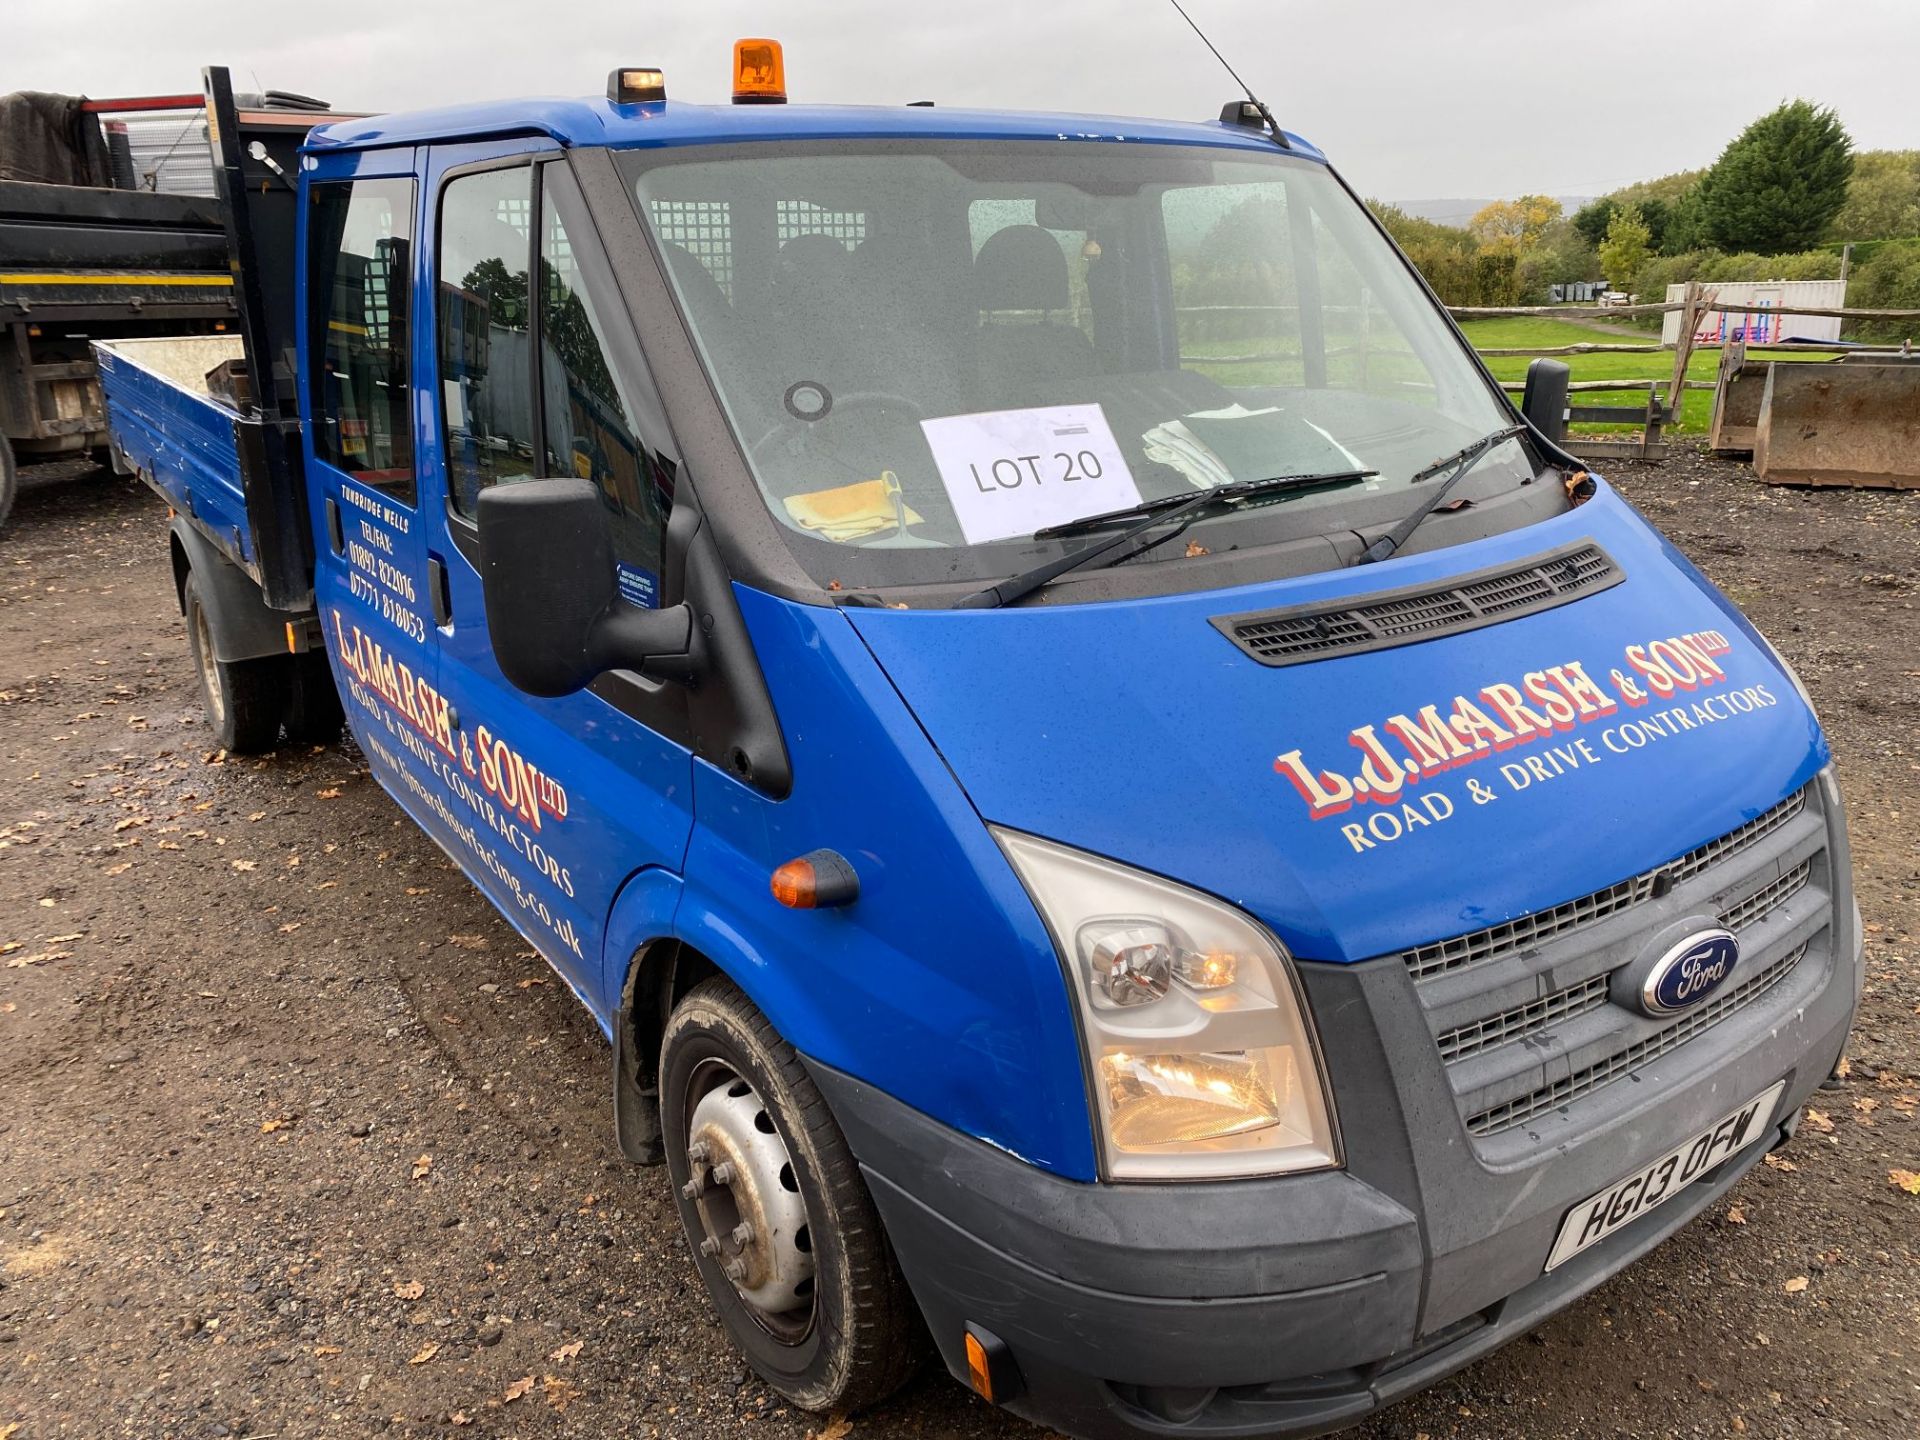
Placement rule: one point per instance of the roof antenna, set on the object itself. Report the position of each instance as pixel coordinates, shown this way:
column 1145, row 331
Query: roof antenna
column 1235, row 112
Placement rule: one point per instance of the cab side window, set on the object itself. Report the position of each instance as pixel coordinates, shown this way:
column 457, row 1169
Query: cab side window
column 359, row 251
column 485, row 320
column 588, row 422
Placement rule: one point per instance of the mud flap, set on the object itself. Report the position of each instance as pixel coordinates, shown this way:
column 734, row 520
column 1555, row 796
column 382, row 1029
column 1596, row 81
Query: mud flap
column 636, row 1095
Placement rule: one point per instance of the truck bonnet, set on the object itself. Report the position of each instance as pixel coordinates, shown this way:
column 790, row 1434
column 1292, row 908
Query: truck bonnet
column 1376, row 798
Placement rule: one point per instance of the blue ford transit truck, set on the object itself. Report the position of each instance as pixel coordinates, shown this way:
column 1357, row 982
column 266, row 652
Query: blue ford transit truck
column 1130, row 821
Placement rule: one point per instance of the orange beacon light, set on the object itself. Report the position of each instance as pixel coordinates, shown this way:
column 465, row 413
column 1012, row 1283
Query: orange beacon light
column 759, row 73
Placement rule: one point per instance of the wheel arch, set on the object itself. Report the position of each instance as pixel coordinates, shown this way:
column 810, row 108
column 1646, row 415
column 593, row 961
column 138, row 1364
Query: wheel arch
column 243, row 625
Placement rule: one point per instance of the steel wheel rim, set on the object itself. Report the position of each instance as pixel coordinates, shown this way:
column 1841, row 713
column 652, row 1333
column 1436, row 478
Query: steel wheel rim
column 744, row 1191
column 209, row 667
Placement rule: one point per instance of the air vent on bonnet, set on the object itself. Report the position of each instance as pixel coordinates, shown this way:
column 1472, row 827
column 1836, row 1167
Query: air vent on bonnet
column 1422, row 612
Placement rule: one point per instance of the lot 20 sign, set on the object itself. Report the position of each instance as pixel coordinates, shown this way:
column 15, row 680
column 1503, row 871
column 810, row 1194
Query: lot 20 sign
column 1649, row 697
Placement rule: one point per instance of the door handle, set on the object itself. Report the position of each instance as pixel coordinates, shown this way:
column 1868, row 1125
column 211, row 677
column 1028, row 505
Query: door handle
column 438, row 591
column 336, row 537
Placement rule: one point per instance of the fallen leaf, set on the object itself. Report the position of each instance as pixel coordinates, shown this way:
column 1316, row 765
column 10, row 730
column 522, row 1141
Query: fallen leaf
column 1797, row 1284
column 7, row 947
column 1905, row 1180
column 1736, row 1216
column 326, row 1349
column 332, row 792
column 1819, row 1122
column 418, row 890
column 568, row 1351
column 9, row 1430
column 1775, row 1162
column 121, row 868
column 1866, row 1104
column 423, row 1354
column 257, row 816
column 7, row 1007
column 65, row 939
column 836, row 1428
column 531, row 981
column 1843, row 1069
column 290, row 927
column 410, row 1290
column 132, row 822
column 559, row 1393
column 1195, row 550
column 267, row 1127
column 459, row 1417
column 422, row 1166
column 468, row 942
column 20, row 962
column 518, row 1388
column 246, row 864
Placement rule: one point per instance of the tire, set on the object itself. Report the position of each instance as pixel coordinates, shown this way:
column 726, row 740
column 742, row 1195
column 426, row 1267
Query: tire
column 314, row 716
column 9, row 479
column 243, row 698
column 859, row 1336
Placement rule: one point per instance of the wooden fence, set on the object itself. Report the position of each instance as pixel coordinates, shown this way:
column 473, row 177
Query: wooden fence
column 1662, row 406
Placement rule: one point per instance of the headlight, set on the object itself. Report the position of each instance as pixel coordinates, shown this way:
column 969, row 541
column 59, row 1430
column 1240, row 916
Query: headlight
column 1202, row 1060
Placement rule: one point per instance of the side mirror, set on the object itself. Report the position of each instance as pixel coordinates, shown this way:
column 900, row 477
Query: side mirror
column 554, row 608
column 1544, row 401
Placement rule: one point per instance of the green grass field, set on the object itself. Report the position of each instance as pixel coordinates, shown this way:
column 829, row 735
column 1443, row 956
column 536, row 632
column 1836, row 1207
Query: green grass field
column 1381, row 359
column 1516, row 333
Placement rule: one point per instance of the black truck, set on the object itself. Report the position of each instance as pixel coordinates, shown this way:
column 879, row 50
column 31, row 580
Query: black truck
column 87, row 253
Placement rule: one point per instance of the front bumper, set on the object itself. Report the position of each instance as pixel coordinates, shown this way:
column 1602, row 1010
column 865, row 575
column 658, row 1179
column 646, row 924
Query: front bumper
column 1296, row 1305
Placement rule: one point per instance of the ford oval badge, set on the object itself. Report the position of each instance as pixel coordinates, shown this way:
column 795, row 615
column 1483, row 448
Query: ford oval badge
column 1689, row 972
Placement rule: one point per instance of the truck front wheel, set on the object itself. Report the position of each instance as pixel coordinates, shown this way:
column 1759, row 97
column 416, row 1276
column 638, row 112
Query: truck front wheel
column 244, row 698
column 782, row 1228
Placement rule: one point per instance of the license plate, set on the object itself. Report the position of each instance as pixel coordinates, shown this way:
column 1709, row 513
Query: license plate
column 1598, row 1216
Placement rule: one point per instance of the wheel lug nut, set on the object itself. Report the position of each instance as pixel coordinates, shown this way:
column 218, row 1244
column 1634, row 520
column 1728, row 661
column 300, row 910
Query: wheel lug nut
column 743, row 1234
column 694, row 1188
column 698, row 1153
column 709, row 1247
column 736, row 1270
column 723, row 1173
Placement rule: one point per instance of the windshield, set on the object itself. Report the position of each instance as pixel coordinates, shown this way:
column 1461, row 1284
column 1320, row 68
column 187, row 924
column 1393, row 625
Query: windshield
column 931, row 351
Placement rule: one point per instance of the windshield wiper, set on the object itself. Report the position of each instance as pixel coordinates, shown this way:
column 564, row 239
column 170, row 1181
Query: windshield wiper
column 1145, row 516
column 1461, row 461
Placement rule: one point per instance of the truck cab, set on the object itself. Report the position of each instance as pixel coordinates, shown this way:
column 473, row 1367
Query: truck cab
column 1127, row 818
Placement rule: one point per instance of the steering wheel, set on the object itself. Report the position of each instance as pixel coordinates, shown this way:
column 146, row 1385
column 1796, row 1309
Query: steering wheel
column 805, row 411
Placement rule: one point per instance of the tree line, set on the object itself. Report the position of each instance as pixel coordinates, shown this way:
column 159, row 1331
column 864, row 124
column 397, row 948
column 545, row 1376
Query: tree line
column 1780, row 202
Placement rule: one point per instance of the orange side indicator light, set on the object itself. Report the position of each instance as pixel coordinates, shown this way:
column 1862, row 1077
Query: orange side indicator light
column 991, row 1371
column 818, row 880
column 759, row 73
column 979, row 1374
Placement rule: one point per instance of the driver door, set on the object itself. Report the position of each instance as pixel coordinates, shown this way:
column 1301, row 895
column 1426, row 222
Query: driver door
column 538, row 374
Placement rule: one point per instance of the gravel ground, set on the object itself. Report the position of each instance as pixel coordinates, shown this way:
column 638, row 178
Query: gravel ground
column 297, row 1138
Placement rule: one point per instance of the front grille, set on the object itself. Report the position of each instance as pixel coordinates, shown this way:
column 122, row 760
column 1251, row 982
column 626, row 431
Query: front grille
column 1401, row 617
column 1591, row 994
column 1769, row 898
column 1624, row 1062
column 1443, row 957
column 1526, row 1024
column 1523, row 1019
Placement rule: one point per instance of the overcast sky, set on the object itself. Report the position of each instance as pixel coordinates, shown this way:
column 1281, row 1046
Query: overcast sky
column 1412, row 99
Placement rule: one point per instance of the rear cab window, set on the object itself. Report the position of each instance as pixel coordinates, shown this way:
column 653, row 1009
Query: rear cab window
column 359, row 248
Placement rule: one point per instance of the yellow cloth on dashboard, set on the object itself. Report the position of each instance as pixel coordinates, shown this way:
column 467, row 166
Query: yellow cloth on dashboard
column 851, row 512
